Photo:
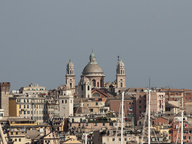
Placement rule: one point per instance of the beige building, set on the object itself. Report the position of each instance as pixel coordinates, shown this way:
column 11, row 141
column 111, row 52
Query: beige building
column 66, row 104
column 117, row 139
column 91, row 107
column 33, row 89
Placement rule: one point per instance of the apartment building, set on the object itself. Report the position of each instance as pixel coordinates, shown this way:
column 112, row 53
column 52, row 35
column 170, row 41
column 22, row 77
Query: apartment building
column 33, row 89
column 31, row 107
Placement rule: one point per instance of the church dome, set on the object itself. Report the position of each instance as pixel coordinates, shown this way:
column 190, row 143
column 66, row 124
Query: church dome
column 81, row 110
column 92, row 68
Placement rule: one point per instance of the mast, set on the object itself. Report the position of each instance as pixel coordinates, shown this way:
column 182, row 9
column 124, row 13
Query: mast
column 149, row 103
column 182, row 122
column 122, row 115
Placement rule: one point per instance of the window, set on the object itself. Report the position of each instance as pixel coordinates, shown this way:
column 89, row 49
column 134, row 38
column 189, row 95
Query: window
column 87, row 87
column 18, row 100
column 82, row 88
column 70, row 85
column 125, row 139
column 95, row 124
column 19, row 139
column 27, row 106
column 65, row 101
column 103, row 124
column 62, row 101
column 189, row 137
column 184, row 137
column 24, row 112
column 15, row 139
column 140, row 106
column 20, row 112
column 91, row 110
column 79, row 124
column 113, row 139
column 96, row 103
column 28, row 112
column 119, row 139
column 86, row 124
column 94, row 83
column 139, row 101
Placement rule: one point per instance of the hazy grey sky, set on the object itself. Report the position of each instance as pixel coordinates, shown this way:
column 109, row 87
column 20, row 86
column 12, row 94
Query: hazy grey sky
column 153, row 38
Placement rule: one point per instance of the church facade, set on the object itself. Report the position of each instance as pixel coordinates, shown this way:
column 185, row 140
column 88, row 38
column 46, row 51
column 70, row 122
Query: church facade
column 93, row 78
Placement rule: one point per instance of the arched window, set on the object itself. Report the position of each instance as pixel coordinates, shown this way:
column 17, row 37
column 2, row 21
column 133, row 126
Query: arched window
column 82, row 88
column 94, row 82
column 96, row 94
column 121, row 72
column 121, row 84
column 101, row 83
column 88, row 88
column 70, row 85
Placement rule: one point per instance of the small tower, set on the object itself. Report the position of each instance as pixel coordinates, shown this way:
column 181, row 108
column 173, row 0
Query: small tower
column 70, row 76
column 120, row 75
column 4, row 97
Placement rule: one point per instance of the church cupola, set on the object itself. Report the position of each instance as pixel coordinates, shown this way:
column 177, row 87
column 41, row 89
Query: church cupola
column 92, row 58
column 120, row 75
column 70, row 68
column 70, row 75
column 120, row 67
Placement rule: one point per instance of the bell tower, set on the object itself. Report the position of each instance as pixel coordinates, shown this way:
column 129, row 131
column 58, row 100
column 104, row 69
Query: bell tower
column 120, row 75
column 70, row 76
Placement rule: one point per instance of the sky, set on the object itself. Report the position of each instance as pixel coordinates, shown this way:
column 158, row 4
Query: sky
column 153, row 39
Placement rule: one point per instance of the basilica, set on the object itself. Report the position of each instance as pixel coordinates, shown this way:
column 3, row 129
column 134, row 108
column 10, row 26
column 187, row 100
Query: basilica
column 93, row 78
